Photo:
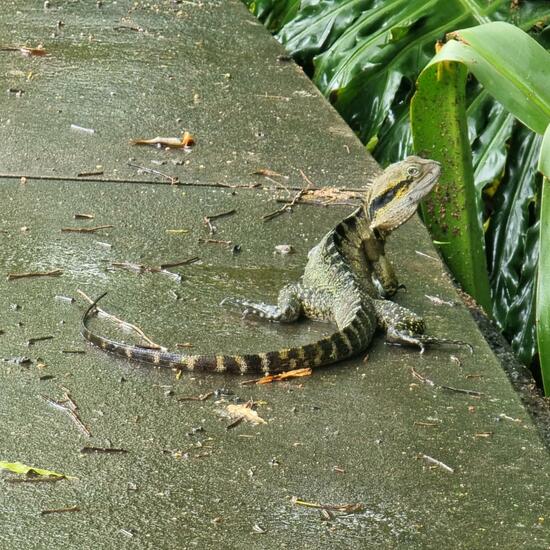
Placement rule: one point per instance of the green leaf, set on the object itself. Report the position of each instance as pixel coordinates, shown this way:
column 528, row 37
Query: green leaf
column 519, row 81
column 512, row 237
column 272, row 13
column 438, row 115
column 513, row 246
column 543, row 286
column 23, row 469
column 544, row 159
column 366, row 54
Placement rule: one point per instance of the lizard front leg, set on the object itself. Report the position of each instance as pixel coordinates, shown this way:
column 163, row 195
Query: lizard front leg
column 288, row 308
column 295, row 300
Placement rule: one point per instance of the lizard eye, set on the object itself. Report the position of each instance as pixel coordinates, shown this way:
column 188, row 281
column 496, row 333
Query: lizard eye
column 413, row 171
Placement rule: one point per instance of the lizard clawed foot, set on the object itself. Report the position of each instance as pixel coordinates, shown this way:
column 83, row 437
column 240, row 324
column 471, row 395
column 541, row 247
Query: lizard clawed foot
column 422, row 341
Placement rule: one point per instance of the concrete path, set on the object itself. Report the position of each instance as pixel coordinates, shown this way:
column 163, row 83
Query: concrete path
column 411, row 465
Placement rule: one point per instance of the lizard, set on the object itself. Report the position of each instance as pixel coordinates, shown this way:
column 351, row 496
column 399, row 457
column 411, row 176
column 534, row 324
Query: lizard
column 347, row 280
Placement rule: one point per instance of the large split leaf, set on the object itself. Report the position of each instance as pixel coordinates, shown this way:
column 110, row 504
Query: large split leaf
column 519, row 83
column 438, row 114
column 543, row 287
column 512, row 244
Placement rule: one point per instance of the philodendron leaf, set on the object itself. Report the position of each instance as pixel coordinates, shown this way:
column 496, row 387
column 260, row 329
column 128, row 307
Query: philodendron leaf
column 520, row 82
column 513, row 245
column 543, row 286
column 23, row 469
column 440, row 132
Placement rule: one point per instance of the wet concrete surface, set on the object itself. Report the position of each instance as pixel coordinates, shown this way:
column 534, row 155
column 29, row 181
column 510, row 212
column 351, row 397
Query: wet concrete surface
column 355, row 433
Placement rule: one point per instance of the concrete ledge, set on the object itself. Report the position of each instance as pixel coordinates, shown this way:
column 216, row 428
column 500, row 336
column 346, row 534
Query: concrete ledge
column 358, row 432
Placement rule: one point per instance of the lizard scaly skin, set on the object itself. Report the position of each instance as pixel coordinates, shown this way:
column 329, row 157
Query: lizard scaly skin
column 346, row 280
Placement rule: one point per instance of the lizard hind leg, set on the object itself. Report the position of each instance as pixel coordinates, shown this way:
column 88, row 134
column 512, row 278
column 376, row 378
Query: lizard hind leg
column 288, row 308
column 404, row 327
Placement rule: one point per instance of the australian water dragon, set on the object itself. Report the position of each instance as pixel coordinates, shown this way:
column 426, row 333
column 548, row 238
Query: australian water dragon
column 347, row 279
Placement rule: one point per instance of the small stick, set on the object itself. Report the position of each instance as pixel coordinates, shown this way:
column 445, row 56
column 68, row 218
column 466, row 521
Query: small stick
column 208, row 219
column 211, row 228
column 89, row 174
column 73, row 351
column 78, row 128
column 425, row 380
column 235, row 423
column 139, row 268
column 422, row 378
column 32, row 341
column 289, row 205
column 60, row 510
column 442, row 465
column 220, row 215
column 461, row 390
column 347, row 508
column 85, row 229
column 182, row 262
column 426, row 255
column 172, row 179
column 54, row 273
column 214, row 241
column 83, row 216
column 128, row 28
column 285, row 375
column 122, row 323
column 89, row 450
column 69, row 410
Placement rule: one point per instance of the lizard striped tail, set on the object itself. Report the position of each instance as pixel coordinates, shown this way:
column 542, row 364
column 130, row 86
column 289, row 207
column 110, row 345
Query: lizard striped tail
column 343, row 344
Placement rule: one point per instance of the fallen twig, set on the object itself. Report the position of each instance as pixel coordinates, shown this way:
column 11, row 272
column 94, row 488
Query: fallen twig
column 296, row 373
column 345, row 508
column 85, row 229
column 178, row 263
column 139, row 268
column 53, row 273
column 432, row 460
column 215, row 241
column 25, row 50
column 70, row 410
column 89, row 174
column 32, row 341
column 474, row 393
column 201, row 397
column 60, row 510
column 429, row 382
column 287, row 206
column 184, row 142
column 121, row 322
column 208, row 219
column 172, row 179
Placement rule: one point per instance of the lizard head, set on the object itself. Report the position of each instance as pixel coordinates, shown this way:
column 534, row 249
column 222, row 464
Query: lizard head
column 395, row 194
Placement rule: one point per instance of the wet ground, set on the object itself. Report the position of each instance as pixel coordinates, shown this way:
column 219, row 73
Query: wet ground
column 382, row 451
